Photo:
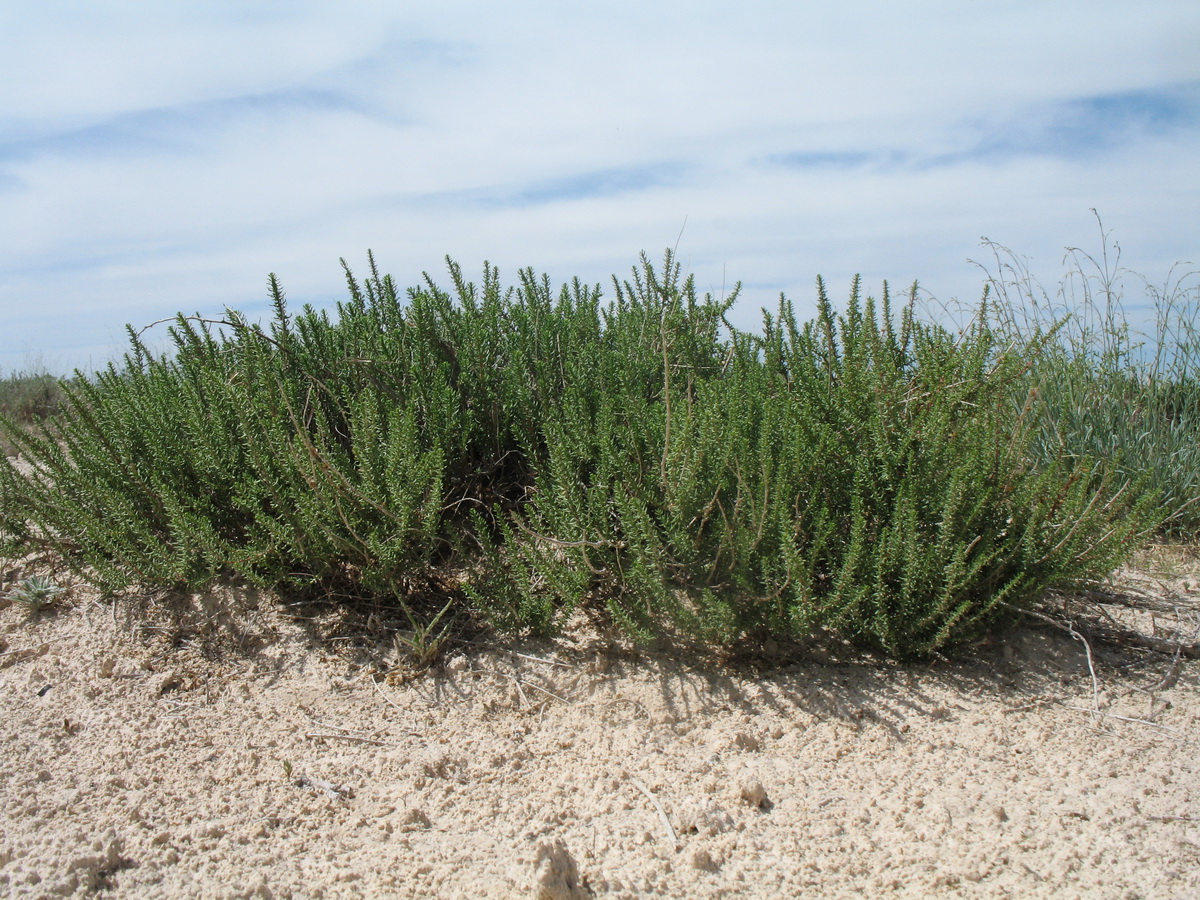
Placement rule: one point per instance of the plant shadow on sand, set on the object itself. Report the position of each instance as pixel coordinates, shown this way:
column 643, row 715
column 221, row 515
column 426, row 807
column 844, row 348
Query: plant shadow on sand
column 1138, row 634
column 203, row 736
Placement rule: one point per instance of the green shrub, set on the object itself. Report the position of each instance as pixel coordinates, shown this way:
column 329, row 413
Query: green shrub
column 520, row 452
column 855, row 473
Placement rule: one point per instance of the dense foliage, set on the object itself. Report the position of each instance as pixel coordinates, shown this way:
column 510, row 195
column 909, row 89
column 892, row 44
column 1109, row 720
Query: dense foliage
column 520, row 452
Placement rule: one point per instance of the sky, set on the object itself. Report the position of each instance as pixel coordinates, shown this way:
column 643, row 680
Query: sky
column 165, row 157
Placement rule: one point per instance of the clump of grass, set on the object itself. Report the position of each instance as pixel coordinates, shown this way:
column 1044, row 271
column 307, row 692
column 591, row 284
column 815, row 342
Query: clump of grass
column 1106, row 387
column 515, row 453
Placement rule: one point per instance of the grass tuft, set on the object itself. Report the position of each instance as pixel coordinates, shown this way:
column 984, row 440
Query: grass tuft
column 1113, row 375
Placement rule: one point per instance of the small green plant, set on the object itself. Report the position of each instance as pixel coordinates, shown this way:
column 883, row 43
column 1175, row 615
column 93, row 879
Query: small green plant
column 36, row 592
column 423, row 643
column 287, row 769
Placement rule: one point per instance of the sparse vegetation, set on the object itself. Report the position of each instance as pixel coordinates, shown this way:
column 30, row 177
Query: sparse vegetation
column 517, row 453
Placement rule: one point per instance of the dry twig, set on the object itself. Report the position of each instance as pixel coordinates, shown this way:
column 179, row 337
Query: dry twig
column 322, row 724
column 1087, row 648
column 386, row 699
column 530, row 684
column 536, row 659
column 662, row 814
column 355, row 738
column 1108, row 715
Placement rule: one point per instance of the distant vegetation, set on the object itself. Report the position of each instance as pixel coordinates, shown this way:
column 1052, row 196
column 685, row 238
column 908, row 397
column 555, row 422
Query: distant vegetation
column 26, row 398
column 512, row 454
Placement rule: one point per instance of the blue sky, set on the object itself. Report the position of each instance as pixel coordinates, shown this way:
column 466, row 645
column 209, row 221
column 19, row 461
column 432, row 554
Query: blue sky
column 164, row 157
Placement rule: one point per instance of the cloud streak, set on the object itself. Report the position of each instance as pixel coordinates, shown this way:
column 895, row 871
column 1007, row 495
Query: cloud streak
column 1084, row 127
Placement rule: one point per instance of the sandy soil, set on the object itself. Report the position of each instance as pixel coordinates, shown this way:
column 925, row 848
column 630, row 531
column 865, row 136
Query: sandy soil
column 227, row 745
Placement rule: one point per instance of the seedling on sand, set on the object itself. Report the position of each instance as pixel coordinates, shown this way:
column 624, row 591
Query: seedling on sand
column 36, row 592
column 421, row 646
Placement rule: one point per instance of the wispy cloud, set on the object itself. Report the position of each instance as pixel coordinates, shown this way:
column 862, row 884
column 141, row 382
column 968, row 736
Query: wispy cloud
column 836, row 159
column 1092, row 126
column 1078, row 128
column 584, row 185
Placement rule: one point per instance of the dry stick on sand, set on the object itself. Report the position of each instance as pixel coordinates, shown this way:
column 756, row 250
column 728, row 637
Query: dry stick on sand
column 331, row 725
column 1108, row 715
column 413, row 729
column 386, row 699
column 536, row 659
column 530, row 684
column 1087, row 648
column 517, row 682
column 357, row 739
column 1136, row 599
column 1158, row 645
column 1097, row 713
column 1168, row 681
column 662, row 814
column 1171, row 678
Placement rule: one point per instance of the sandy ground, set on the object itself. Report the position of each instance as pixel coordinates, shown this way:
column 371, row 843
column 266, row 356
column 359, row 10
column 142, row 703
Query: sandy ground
column 228, row 745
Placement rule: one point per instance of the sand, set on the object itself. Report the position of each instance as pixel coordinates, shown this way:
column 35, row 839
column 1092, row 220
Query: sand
column 230, row 745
